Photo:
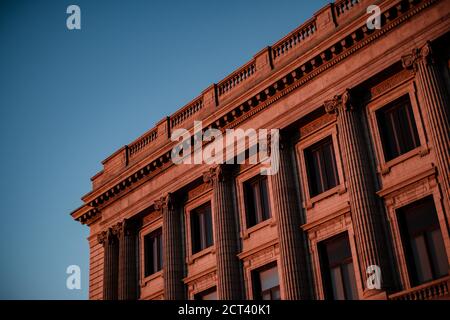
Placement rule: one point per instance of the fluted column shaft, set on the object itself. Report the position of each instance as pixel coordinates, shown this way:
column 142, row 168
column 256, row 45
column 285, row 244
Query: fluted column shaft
column 110, row 265
column 288, row 224
column 436, row 105
column 127, row 287
column 366, row 216
column 172, row 249
column 229, row 286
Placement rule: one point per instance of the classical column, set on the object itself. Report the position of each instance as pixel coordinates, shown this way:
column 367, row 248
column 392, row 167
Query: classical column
column 366, row 216
column 292, row 253
column 125, row 231
column 110, row 264
column 229, row 286
column 172, row 249
column 436, row 105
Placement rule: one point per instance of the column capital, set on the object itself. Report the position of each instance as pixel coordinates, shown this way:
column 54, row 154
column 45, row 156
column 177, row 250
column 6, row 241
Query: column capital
column 418, row 55
column 106, row 237
column 216, row 174
column 124, row 228
column 343, row 102
column 166, row 201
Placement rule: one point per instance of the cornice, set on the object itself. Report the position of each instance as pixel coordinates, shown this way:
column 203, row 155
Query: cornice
column 292, row 80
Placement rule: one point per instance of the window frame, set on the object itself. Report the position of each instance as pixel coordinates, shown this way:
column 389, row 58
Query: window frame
column 325, row 266
column 255, row 281
column 160, row 264
column 330, row 130
column 405, row 239
column 151, row 226
column 379, row 102
column 188, row 208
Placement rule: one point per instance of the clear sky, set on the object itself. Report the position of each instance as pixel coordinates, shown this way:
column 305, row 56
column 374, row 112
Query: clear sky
column 68, row 99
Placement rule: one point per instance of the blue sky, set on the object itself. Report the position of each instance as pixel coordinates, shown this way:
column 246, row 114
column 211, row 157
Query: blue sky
column 68, row 99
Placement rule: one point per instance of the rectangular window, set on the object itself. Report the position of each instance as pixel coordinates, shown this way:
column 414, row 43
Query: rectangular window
column 153, row 252
column 210, row 294
column 201, row 228
column 397, row 128
column 422, row 240
column 266, row 285
column 321, row 167
column 337, row 269
column 256, row 200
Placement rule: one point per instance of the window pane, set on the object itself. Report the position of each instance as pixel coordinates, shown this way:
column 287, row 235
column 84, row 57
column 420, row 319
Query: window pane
column 337, row 285
column 397, row 128
column 208, row 227
column 424, row 248
column 348, row 275
column 269, row 278
column 276, row 293
column 437, row 253
column 321, row 167
column 421, row 260
column 265, row 199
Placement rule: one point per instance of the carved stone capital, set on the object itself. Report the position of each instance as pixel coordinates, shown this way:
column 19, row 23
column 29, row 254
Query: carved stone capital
column 216, row 174
column 106, row 237
column 124, row 228
column 418, row 55
column 339, row 103
column 166, row 201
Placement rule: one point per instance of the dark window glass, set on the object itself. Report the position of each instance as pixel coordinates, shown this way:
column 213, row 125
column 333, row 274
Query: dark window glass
column 201, row 228
column 153, row 252
column 422, row 239
column 337, row 269
column 210, row 294
column 256, row 200
column 321, row 167
column 266, row 285
column 397, row 128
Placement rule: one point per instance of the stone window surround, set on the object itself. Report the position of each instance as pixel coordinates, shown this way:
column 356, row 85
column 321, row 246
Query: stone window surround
column 401, row 196
column 376, row 104
column 340, row 188
column 145, row 230
column 341, row 222
column 240, row 180
column 257, row 258
column 188, row 208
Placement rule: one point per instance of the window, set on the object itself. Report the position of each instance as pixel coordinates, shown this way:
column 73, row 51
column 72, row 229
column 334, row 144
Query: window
column 256, row 200
column 201, row 228
column 422, row 240
column 210, row 294
column 337, row 269
column 321, row 167
column 153, row 252
column 266, row 285
column 397, row 128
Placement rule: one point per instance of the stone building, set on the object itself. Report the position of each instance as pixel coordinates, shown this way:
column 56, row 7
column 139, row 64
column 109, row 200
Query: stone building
column 360, row 206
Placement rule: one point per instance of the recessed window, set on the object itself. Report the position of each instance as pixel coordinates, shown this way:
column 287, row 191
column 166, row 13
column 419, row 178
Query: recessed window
column 153, row 252
column 337, row 269
column 201, row 228
column 422, row 240
column 321, row 167
column 397, row 128
column 210, row 294
column 256, row 200
column 266, row 285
